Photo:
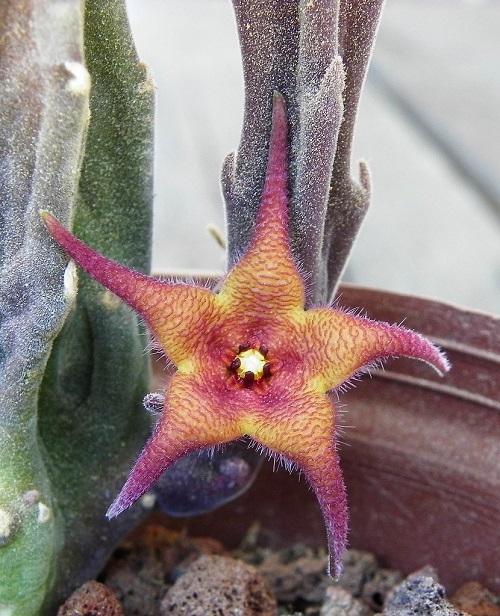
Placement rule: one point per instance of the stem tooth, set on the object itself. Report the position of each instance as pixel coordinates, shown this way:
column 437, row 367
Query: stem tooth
column 9, row 525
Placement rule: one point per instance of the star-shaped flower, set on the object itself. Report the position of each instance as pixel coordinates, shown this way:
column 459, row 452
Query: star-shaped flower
column 251, row 360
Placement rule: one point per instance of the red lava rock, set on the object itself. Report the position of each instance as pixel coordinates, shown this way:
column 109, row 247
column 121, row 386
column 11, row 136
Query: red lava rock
column 145, row 565
column 476, row 600
column 91, row 599
column 219, row 586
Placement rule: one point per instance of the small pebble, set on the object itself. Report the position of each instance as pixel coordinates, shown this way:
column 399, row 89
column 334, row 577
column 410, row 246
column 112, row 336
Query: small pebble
column 339, row 602
column 419, row 595
column 218, row 585
column 92, row 598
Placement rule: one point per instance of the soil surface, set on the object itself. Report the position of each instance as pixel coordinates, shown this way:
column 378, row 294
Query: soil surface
column 160, row 572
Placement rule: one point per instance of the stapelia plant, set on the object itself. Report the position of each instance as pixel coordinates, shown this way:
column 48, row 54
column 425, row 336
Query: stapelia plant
column 251, row 359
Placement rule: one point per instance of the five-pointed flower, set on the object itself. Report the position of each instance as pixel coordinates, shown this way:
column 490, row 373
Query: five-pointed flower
column 251, row 360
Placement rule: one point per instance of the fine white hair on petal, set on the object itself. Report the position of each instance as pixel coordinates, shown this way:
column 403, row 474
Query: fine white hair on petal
column 277, row 458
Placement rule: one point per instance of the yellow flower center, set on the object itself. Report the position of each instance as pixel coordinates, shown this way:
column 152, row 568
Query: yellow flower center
column 251, row 364
column 251, row 361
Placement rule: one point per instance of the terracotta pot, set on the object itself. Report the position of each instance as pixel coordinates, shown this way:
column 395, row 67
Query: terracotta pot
column 421, row 456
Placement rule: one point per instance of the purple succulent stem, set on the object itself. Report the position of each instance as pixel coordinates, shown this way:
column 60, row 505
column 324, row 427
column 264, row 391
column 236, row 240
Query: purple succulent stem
column 315, row 54
column 348, row 200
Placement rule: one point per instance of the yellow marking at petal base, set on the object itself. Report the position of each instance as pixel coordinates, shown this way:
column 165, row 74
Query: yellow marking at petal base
column 187, row 366
column 248, row 426
column 251, row 361
column 317, row 385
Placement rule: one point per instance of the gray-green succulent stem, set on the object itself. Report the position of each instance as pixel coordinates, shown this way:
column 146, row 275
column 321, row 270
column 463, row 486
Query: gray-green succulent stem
column 44, row 113
column 315, row 52
column 70, row 421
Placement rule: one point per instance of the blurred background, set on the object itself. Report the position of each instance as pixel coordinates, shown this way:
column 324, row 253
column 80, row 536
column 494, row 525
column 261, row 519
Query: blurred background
column 428, row 125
